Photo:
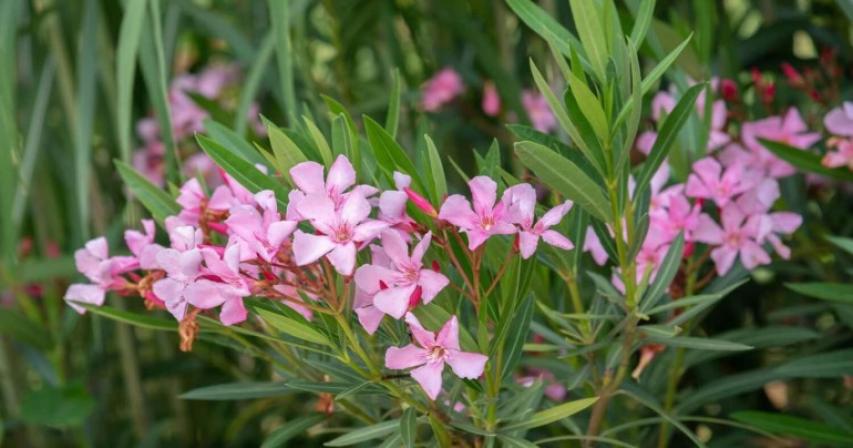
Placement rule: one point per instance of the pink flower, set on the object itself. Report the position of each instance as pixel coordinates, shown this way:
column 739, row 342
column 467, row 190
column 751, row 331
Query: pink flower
column 593, row 245
column 103, row 271
column 485, row 220
column 142, row 245
column 404, row 282
column 789, row 129
column 538, row 111
column 840, row 153
column 839, row 121
column 368, row 315
column 521, row 200
column 392, row 206
column 771, row 225
column 308, row 178
column 491, row 99
column 182, row 263
column 339, row 230
column 149, row 161
column 259, row 233
column 738, row 236
column 708, row 181
column 221, row 284
column 645, row 142
column 430, row 352
column 441, row 89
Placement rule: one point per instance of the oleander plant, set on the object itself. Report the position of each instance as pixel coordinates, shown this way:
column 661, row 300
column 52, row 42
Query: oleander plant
column 454, row 224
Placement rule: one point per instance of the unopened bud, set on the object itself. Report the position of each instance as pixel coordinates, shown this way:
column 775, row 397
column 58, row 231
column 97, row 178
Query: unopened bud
column 421, row 202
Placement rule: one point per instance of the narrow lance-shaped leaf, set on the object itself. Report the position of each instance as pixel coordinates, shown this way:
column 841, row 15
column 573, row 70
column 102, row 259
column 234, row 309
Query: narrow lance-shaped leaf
column 666, row 272
column 367, row 433
column 393, row 118
column 128, row 45
column 806, row 160
column 667, row 135
column 158, row 202
column 545, row 26
column 591, row 32
column 291, row 429
column 565, row 177
column 812, row 431
column 553, row 414
column 239, row 391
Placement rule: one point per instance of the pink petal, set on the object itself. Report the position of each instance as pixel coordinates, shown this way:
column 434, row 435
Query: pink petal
column 557, row 240
column 429, row 377
column 396, row 249
column 401, row 180
column 394, row 301
column 421, row 248
column 205, row 294
column 233, row 312
column 752, row 255
column 467, row 364
column 555, row 215
column 392, row 203
column 309, row 248
column 399, row 358
column 341, row 175
column 278, row 231
column 520, row 201
column 457, row 211
column 476, row 238
column 424, row 338
column 840, row 122
column 483, row 192
column 448, row 336
column 367, row 277
column 369, row 317
column 342, row 258
column 189, row 262
column 308, row 177
column 527, row 243
column 724, row 257
column 707, row 231
column 355, row 208
column 368, row 230
column 316, row 207
column 88, row 294
column 786, row 222
column 431, row 283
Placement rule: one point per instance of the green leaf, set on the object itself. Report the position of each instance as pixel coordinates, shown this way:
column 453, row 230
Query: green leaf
column 806, row 160
column 157, row 201
column 667, row 135
column 254, row 78
column 698, row 343
column 436, row 168
column 239, row 391
column 545, row 26
column 666, row 272
column 279, row 13
column 367, row 433
column 564, row 177
column 129, row 317
column 389, row 154
column 553, row 414
column 835, row 292
column 20, row 328
column 589, row 103
column 57, row 407
column 293, row 327
column 800, row 428
column 243, row 171
column 233, row 140
column 392, row 121
column 289, row 430
column 130, row 33
column 662, row 67
column 409, row 427
column 85, row 110
column 642, row 21
column 515, row 442
column 519, row 328
column 319, row 141
column 286, row 151
column 843, row 243
column 591, row 32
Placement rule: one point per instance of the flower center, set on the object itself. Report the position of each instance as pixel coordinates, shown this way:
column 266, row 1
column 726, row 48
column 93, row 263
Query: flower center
column 436, row 354
column 343, row 233
column 487, row 222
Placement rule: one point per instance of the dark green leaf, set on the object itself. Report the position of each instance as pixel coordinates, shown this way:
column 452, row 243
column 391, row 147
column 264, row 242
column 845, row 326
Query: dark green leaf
column 57, row 407
column 800, row 428
column 154, row 198
column 366, row 433
column 289, row 430
column 409, row 427
column 836, row 292
column 239, row 391
column 806, row 160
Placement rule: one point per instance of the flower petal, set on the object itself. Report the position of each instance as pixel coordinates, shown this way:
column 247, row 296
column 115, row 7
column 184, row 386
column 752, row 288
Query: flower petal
column 431, row 283
column 342, row 258
column 309, row 248
column 308, row 177
column 467, row 364
column 429, row 377
column 399, row 358
column 394, row 301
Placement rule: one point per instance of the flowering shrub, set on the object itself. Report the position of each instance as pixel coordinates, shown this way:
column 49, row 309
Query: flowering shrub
column 572, row 284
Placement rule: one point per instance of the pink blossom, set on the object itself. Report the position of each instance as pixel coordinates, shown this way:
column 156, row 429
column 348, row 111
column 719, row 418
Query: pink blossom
column 404, row 282
column 538, row 111
column 485, row 220
column 839, row 121
column 340, row 231
column 259, row 233
column 368, row 315
column 149, row 161
column 771, row 225
column 521, row 200
column 221, row 284
column 182, row 263
column 593, row 245
column 103, row 271
column 491, row 100
column 142, row 246
column 708, row 181
column 429, row 353
column 790, row 129
column 645, row 141
column 392, row 206
column 737, row 236
column 840, row 153
column 308, row 178
column 441, row 89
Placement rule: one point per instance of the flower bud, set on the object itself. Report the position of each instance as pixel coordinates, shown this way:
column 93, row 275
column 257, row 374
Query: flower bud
column 421, row 202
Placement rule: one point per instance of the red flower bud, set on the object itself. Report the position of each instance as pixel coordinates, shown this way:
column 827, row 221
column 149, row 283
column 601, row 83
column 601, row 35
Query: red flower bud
column 728, row 89
column 415, row 298
column 792, row 74
column 435, row 266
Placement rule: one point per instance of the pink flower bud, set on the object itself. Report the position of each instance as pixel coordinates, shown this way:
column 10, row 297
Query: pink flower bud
column 421, row 202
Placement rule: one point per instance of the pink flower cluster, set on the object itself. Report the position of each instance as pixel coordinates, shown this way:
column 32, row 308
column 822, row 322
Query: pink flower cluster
column 839, row 122
column 231, row 244
column 187, row 119
column 446, row 85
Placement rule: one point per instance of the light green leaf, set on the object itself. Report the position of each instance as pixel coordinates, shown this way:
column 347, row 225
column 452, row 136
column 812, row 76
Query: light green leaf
column 662, row 67
column 409, row 427
column 233, row 140
column 436, row 168
column 367, row 433
column 698, row 343
column 128, row 45
column 843, row 243
column 392, row 121
column 137, row 320
column 666, row 272
column 835, row 292
column 564, row 177
column 545, row 26
column 319, row 141
column 591, row 32
column 553, row 414
column 800, row 428
column 642, row 21
column 154, row 198
column 806, row 160
column 293, row 327
column 239, row 391
column 289, row 430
